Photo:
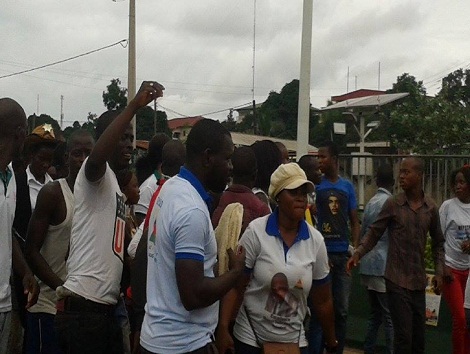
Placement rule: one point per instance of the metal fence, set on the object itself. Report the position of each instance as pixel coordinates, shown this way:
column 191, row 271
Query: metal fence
column 361, row 170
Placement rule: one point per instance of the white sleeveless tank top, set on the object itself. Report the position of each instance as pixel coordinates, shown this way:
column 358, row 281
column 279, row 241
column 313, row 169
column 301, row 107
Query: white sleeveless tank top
column 54, row 251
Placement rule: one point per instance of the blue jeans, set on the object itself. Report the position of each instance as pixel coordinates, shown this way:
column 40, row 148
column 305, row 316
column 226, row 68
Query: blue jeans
column 40, row 336
column 341, row 287
column 123, row 321
column 379, row 313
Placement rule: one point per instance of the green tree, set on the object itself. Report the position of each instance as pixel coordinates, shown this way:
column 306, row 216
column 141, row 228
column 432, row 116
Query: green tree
column 148, row 124
column 88, row 125
column 278, row 114
column 434, row 127
column 115, row 96
column 456, row 87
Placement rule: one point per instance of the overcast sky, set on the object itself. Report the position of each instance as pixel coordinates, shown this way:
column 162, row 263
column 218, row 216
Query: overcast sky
column 202, row 51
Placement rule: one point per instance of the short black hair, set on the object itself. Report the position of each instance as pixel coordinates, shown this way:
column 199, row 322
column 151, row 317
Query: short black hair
column 465, row 170
column 268, row 158
column 173, row 157
column 331, row 147
column 147, row 164
column 244, row 162
column 304, row 161
column 385, row 176
column 33, row 149
column 79, row 133
column 11, row 116
column 205, row 134
column 103, row 121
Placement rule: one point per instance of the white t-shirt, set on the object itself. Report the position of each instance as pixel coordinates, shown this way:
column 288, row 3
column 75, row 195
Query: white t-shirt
column 179, row 228
column 7, row 214
column 276, row 296
column 35, row 186
column 455, row 224
column 94, row 266
column 146, row 189
column 54, row 250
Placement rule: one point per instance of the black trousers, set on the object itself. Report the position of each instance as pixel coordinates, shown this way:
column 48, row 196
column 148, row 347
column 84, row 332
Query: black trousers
column 407, row 309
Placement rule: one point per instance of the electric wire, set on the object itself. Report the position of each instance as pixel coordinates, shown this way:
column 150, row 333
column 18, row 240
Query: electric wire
column 65, row 60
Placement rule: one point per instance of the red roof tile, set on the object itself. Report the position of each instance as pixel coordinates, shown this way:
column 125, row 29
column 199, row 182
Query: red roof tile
column 183, row 122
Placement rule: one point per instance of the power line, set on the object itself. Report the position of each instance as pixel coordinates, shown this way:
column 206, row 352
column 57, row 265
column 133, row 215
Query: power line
column 226, row 109
column 172, row 111
column 64, row 60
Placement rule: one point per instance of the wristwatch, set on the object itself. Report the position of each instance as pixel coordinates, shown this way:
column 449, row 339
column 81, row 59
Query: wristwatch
column 331, row 348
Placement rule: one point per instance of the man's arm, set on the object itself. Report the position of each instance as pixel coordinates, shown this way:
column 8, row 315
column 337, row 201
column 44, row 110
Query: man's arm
column 355, row 227
column 43, row 215
column 196, row 290
column 95, row 166
column 322, row 304
column 20, row 267
column 373, row 235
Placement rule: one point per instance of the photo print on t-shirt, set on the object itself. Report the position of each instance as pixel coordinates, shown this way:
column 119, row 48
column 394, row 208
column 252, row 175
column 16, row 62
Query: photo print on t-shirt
column 281, row 304
column 332, row 210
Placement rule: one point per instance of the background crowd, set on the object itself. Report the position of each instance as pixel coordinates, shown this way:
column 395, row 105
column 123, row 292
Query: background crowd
column 102, row 256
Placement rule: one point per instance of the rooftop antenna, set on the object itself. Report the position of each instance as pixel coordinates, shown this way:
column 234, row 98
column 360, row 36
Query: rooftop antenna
column 379, row 78
column 347, row 81
column 255, row 121
column 61, row 111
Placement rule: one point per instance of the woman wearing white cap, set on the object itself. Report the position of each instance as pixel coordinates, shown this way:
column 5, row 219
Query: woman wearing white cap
column 286, row 262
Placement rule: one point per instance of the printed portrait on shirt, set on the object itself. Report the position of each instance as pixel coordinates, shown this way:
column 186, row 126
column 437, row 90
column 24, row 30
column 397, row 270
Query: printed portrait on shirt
column 333, row 204
column 333, row 216
column 281, row 302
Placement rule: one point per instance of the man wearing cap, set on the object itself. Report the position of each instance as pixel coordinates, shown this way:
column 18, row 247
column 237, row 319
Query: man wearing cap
column 38, row 151
column 12, row 135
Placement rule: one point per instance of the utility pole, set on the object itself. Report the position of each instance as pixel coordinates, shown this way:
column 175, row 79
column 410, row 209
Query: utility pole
column 131, row 66
column 255, row 118
column 61, row 111
column 303, row 116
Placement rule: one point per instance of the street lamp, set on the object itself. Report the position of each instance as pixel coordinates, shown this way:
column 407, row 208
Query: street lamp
column 360, row 119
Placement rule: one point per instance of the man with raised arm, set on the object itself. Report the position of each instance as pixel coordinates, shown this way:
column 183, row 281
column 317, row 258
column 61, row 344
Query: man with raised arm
column 85, row 319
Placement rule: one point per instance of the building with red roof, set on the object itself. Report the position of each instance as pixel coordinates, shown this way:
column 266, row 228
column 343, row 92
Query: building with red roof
column 180, row 127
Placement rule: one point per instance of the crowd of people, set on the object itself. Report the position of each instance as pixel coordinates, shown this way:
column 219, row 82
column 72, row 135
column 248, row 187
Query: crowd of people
column 100, row 255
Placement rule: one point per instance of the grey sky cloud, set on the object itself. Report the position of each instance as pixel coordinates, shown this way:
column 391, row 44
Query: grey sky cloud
column 202, row 50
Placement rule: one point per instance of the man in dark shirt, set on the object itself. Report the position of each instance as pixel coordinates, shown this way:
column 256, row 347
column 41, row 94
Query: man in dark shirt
column 244, row 175
column 409, row 217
